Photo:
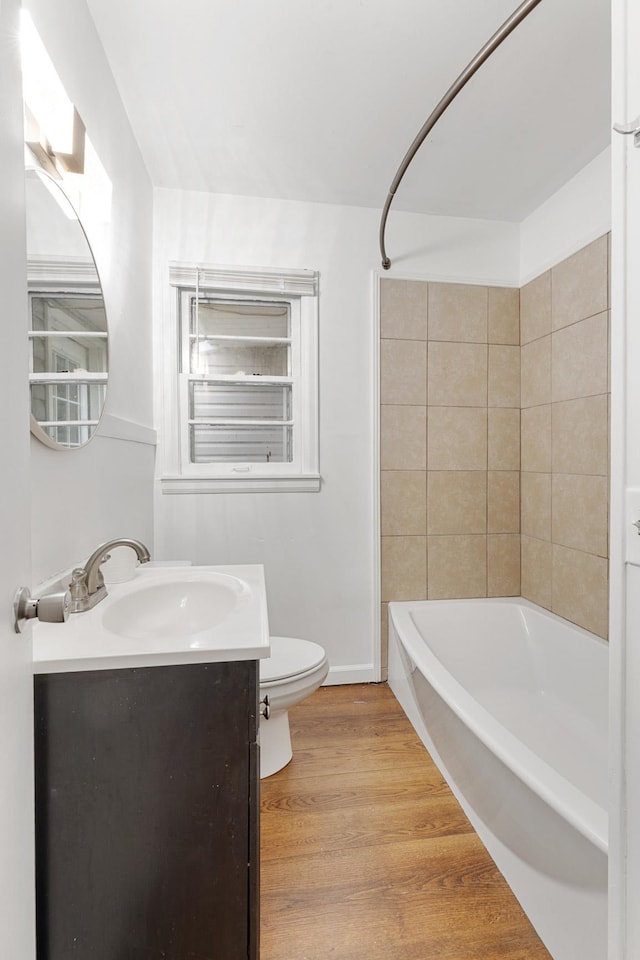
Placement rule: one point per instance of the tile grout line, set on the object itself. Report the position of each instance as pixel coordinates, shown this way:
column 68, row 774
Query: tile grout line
column 486, row 512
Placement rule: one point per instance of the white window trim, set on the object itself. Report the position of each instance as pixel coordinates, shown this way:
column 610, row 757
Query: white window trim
column 179, row 476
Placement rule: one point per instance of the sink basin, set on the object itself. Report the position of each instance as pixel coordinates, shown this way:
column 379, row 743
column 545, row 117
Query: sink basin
column 176, row 608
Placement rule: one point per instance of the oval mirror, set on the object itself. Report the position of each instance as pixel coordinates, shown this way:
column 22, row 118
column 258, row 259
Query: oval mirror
column 68, row 356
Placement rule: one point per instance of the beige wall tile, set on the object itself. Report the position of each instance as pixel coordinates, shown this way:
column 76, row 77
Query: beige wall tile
column 403, row 309
column 457, row 374
column 535, row 574
column 403, row 503
column 457, row 567
column 536, row 372
column 456, row 502
column 579, row 359
column 458, row 311
column 504, row 376
column 503, row 502
column 580, row 512
column 403, row 372
column 536, row 439
column 579, row 285
column 535, row 308
column 403, row 438
column 536, row 505
column 457, row 438
column 503, row 566
column 503, row 439
column 581, row 589
column 504, row 315
column 404, row 568
column 579, row 436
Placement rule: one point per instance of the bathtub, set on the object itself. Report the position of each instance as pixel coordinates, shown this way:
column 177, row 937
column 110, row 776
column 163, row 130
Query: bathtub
column 511, row 702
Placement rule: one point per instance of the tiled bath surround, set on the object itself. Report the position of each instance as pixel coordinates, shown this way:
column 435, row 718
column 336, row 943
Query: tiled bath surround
column 483, row 439
column 564, row 315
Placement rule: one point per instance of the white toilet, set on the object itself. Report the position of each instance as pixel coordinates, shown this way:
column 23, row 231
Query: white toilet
column 295, row 669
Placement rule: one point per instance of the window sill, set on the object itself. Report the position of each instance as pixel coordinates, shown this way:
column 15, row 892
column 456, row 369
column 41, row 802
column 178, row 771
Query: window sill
column 307, row 483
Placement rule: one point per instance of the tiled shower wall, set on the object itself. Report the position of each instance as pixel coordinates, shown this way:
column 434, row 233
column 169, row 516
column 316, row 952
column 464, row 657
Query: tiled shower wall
column 454, row 487
column 565, row 438
column 450, row 441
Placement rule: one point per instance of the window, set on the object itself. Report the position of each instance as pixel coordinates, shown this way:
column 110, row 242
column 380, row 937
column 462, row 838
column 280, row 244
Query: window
column 246, row 365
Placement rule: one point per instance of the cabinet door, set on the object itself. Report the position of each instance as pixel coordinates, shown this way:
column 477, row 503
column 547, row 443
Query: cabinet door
column 143, row 826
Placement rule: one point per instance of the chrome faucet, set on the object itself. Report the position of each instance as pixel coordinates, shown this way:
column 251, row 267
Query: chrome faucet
column 87, row 583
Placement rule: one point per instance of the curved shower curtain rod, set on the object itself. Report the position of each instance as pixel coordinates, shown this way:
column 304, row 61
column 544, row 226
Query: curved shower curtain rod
column 507, row 27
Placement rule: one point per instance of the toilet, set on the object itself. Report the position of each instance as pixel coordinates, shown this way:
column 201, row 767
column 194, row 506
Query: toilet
column 295, row 669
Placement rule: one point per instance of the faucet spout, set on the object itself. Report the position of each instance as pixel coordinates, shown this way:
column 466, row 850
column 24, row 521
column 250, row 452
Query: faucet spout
column 99, row 556
column 87, row 584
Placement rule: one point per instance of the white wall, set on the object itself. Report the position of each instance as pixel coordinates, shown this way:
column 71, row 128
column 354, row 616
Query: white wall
column 579, row 212
column 80, row 498
column 319, row 549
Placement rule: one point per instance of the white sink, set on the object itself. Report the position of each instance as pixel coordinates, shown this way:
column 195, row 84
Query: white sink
column 163, row 615
column 180, row 605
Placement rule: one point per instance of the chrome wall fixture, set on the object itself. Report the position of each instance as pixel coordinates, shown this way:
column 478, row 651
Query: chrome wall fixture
column 507, row 27
column 627, row 129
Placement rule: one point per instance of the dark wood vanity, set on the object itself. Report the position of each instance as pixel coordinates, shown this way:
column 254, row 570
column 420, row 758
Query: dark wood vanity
column 147, row 787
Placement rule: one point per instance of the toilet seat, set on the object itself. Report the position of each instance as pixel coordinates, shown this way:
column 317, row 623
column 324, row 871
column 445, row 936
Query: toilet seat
column 289, row 658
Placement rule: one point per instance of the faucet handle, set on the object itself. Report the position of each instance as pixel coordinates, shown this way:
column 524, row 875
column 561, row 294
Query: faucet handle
column 78, row 586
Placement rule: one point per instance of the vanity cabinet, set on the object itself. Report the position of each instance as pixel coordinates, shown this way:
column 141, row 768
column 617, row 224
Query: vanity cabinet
column 147, row 813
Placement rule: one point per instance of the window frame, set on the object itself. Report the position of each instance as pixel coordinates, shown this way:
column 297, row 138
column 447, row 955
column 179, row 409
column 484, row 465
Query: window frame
column 299, row 290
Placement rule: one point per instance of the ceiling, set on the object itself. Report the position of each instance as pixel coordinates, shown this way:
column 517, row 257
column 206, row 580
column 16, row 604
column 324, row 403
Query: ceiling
column 319, row 99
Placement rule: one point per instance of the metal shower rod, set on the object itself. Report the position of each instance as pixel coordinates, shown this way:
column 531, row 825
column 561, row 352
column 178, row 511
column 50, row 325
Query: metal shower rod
column 507, row 27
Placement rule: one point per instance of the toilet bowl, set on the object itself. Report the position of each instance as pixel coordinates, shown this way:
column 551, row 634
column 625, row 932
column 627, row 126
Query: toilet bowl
column 293, row 671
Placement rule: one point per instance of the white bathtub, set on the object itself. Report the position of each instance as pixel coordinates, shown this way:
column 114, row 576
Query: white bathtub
column 511, row 702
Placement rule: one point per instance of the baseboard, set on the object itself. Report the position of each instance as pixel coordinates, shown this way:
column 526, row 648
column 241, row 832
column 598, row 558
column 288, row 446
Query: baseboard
column 351, row 673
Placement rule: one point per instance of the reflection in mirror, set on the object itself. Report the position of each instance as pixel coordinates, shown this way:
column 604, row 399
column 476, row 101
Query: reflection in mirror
column 68, row 368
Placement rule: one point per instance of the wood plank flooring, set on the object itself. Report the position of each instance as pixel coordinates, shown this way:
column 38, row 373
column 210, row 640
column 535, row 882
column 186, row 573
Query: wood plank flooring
column 366, row 854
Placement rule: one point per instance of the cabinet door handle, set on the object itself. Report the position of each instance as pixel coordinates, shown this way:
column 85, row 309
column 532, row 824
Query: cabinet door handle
column 265, row 707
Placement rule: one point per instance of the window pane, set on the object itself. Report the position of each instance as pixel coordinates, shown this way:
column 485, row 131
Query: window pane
column 69, row 436
column 67, row 401
column 69, row 354
column 222, row 318
column 237, row 401
column 234, row 359
column 223, row 444
column 83, row 313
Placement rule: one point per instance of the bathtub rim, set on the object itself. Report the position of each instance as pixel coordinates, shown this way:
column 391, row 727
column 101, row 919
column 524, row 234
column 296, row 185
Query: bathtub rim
column 574, row 806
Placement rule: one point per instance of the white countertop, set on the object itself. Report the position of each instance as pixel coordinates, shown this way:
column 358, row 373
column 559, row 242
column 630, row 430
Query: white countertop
column 164, row 615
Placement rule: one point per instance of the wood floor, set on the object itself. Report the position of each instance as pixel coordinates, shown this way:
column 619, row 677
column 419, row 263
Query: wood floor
column 365, row 853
